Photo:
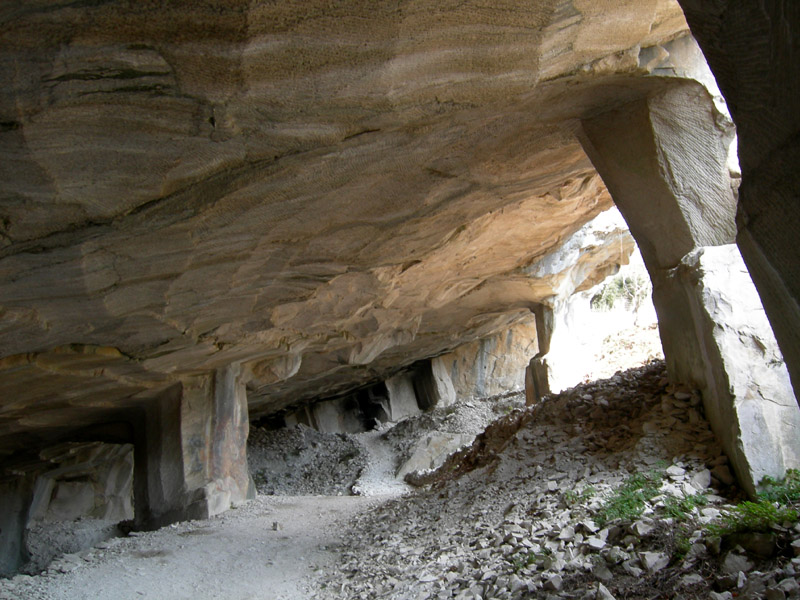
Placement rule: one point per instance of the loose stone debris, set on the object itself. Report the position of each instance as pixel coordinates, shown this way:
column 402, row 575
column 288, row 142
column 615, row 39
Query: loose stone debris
column 520, row 514
column 301, row 460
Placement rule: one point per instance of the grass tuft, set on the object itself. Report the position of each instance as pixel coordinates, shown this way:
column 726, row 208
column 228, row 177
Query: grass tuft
column 774, row 507
column 681, row 508
column 630, row 499
column 758, row 517
column 783, row 491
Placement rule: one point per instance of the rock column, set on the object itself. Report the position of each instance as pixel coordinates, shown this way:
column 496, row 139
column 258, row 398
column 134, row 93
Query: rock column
column 191, row 450
column 752, row 48
column 664, row 160
column 432, row 384
column 537, row 381
column 16, row 494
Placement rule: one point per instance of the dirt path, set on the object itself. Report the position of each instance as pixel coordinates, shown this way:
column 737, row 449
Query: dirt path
column 239, row 555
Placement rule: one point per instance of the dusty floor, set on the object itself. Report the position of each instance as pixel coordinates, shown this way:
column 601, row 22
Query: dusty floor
column 267, row 549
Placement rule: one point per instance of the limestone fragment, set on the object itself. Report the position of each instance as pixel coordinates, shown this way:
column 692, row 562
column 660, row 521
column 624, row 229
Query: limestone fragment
column 653, row 561
column 553, row 583
column 735, row 563
column 701, row 480
column 641, row 528
column 603, row 593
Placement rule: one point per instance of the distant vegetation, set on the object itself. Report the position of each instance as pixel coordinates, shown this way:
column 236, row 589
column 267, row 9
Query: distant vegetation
column 630, row 289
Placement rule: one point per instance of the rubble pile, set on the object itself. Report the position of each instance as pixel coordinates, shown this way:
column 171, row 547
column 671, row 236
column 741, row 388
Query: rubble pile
column 302, row 461
column 544, row 513
column 466, row 417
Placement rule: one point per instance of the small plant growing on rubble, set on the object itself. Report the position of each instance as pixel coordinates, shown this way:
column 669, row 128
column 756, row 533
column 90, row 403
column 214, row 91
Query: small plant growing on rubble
column 629, row 500
column 753, row 516
column 682, row 546
column 773, row 508
column 680, row 508
column 785, row 491
column 571, row 497
column 524, row 559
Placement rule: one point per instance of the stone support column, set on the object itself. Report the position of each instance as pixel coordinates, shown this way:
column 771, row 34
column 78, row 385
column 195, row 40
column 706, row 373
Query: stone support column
column 402, row 399
column 16, row 493
column 753, row 49
column 432, row 384
column 230, row 480
column 158, row 481
column 537, row 381
column 664, row 160
column 191, row 450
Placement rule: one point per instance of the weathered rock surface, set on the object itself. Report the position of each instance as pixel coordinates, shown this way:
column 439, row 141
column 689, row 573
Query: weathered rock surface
column 303, row 199
column 746, row 389
column 493, row 365
column 524, row 525
column 322, row 193
column 431, row 452
column 765, row 111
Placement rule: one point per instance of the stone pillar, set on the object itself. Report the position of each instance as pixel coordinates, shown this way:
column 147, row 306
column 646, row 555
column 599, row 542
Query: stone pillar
column 752, row 48
column 537, row 382
column 745, row 385
column 340, row 415
column 16, row 493
column 190, row 451
column 158, row 481
column 664, row 160
column 214, row 430
column 402, row 399
column 432, row 384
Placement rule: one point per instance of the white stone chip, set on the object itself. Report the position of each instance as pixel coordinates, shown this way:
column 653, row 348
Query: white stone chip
column 603, row 593
column 595, row 543
column 553, row 583
column 641, row 528
column 653, row 561
column 675, row 471
column 734, row 563
column 701, row 480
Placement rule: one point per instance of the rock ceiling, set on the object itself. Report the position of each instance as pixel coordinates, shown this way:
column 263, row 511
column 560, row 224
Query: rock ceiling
column 321, row 191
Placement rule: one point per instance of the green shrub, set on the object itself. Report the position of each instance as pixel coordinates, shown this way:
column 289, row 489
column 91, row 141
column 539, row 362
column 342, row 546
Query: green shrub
column 784, row 491
column 773, row 507
column 628, row 502
column 572, row 497
column 682, row 546
column 754, row 516
column 680, row 508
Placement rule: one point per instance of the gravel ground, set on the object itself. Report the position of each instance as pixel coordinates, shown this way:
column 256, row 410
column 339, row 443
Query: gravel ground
column 270, row 549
